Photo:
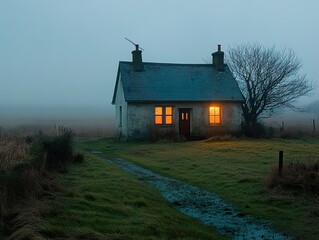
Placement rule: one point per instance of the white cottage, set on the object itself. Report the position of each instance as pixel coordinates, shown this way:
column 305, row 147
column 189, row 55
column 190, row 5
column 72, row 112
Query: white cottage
column 193, row 100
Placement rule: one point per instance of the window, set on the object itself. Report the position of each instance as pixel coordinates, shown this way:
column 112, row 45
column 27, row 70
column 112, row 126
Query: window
column 164, row 115
column 214, row 114
column 185, row 116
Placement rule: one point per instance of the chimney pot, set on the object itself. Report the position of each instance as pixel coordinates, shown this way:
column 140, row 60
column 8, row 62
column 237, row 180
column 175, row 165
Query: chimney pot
column 218, row 59
column 137, row 59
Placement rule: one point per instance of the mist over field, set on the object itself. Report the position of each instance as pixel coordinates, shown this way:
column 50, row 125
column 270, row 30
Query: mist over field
column 302, row 121
column 89, row 119
column 100, row 120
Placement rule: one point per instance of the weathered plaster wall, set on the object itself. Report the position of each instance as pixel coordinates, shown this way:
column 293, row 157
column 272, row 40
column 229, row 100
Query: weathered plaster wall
column 141, row 119
column 231, row 117
column 121, row 128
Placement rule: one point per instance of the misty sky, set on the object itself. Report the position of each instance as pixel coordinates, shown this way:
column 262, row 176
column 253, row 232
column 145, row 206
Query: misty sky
column 65, row 53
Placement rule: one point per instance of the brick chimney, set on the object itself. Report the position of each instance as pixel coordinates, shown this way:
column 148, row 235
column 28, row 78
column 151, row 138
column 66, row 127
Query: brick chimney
column 218, row 59
column 137, row 59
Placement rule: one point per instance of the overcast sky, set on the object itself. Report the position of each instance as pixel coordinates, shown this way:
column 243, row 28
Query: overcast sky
column 66, row 52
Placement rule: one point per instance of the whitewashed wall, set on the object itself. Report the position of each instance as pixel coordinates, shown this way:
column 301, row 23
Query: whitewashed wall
column 141, row 119
column 121, row 128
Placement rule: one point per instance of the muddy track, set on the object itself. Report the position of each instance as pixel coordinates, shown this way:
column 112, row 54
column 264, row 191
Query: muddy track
column 203, row 205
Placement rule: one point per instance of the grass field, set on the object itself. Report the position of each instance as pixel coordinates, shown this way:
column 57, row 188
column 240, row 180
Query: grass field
column 235, row 170
column 99, row 201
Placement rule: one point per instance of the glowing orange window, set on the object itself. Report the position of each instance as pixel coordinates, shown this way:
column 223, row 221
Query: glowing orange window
column 168, row 115
column 164, row 115
column 158, row 115
column 214, row 114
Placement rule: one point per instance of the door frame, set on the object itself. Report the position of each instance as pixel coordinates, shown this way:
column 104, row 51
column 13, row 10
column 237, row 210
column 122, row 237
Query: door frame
column 181, row 117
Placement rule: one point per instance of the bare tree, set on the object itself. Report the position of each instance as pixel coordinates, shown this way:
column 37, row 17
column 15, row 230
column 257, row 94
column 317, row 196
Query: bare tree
column 269, row 79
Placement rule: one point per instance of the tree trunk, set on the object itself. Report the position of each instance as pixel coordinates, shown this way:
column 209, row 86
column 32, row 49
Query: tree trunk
column 251, row 126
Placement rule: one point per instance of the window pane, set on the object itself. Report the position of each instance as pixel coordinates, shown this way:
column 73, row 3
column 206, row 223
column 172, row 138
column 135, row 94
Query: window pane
column 216, row 110
column 158, row 120
column 169, row 119
column 211, row 119
column 158, row 111
column 217, row 119
column 211, row 110
column 169, row 111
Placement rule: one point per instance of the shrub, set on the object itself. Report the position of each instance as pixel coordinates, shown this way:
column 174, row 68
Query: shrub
column 253, row 130
column 166, row 134
column 297, row 176
column 59, row 149
column 20, row 183
column 24, row 165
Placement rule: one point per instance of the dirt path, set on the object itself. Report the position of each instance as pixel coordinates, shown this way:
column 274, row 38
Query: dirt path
column 203, row 205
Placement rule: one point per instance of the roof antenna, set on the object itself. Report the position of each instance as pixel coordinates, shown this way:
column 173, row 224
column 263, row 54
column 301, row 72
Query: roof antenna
column 136, row 45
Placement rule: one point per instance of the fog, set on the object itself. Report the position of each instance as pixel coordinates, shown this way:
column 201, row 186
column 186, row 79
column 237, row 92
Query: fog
column 58, row 59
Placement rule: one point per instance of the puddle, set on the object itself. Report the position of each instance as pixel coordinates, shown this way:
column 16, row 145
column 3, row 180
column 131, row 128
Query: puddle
column 204, row 205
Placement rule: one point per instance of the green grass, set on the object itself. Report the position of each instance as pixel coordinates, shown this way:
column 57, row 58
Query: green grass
column 100, row 201
column 235, row 170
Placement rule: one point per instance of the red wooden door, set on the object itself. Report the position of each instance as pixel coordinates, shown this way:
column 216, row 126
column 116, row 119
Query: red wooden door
column 184, row 121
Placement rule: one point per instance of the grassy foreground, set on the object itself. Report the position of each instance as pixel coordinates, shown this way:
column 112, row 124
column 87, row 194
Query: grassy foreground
column 236, row 170
column 100, row 201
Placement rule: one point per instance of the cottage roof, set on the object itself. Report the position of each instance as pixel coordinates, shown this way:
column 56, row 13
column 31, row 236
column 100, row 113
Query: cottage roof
column 177, row 82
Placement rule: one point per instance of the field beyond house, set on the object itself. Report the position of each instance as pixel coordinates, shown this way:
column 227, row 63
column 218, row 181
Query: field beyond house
column 236, row 170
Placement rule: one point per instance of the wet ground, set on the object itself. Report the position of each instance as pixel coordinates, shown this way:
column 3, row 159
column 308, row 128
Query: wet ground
column 203, row 205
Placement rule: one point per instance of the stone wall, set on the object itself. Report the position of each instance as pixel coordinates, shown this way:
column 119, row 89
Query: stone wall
column 141, row 119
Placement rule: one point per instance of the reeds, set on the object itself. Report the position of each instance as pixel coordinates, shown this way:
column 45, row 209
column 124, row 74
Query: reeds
column 25, row 166
column 298, row 176
column 13, row 150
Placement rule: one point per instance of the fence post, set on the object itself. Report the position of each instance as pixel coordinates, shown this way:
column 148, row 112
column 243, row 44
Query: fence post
column 314, row 125
column 281, row 159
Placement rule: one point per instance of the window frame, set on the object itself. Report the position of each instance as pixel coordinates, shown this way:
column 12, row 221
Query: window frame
column 214, row 115
column 163, row 115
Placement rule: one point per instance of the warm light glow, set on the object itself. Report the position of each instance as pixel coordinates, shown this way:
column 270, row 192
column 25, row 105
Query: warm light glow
column 163, row 113
column 214, row 114
column 168, row 111
column 158, row 120
column 158, row 111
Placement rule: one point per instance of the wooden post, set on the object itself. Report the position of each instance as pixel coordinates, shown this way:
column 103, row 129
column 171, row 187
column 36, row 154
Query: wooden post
column 281, row 160
column 314, row 125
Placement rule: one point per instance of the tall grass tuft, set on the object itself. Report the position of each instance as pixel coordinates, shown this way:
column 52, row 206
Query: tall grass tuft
column 297, row 176
column 25, row 165
column 18, row 182
column 59, row 149
column 13, row 150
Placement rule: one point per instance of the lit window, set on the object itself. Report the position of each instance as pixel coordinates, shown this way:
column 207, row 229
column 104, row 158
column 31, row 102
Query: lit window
column 214, row 114
column 168, row 115
column 158, row 115
column 163, row 115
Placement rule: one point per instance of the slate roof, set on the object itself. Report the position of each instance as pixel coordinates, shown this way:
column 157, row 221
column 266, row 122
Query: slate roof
column 177, row 82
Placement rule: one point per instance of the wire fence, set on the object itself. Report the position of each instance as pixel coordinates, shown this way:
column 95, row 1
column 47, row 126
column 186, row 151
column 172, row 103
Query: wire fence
column 304, row 127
